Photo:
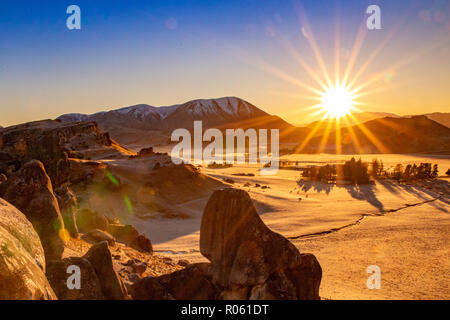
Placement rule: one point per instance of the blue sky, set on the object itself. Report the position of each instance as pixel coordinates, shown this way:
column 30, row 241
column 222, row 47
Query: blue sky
column 167, row 52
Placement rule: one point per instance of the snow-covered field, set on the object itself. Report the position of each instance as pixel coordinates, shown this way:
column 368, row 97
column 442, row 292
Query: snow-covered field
column 403, row 229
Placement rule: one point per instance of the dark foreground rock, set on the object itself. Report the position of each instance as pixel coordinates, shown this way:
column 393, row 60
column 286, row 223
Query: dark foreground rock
column 30, row 190
column 191, row 283
column 248, row 260
column 89, row 287
column 22, row 262
column 112, row 285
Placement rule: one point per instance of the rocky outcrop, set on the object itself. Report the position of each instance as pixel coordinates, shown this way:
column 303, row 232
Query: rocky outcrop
column 58, row 274
column 22, row 262
column 53, row 143
column 248, row 260
column 68, row 206
column 191, row 283
column 112, row 285
column 30, row 190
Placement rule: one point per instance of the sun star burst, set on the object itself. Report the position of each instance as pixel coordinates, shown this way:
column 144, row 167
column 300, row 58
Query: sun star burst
column 337, row 101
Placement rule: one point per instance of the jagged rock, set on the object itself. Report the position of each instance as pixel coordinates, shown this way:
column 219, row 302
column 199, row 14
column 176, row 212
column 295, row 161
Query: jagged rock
column 58, row 276
column 47, row 141
column 142, row 243
column 248, row 260
column 191, row 283
column 68, row 206
column 112, row 285
column 30, row 190
column 22, row 262
column 98, row 235
column 124, row 233
column 88, row 220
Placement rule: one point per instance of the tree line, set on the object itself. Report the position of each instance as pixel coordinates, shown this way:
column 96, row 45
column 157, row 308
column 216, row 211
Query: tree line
column 359, row 172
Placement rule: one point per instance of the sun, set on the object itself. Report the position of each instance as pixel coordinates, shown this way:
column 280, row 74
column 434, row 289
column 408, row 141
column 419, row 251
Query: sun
column 337, row 101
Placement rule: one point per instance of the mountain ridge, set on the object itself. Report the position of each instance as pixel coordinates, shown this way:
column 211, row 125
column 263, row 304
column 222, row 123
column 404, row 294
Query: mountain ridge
column 144, row 124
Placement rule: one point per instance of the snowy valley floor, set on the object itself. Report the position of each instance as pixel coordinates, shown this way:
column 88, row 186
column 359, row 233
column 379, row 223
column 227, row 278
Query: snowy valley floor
column 405, row 230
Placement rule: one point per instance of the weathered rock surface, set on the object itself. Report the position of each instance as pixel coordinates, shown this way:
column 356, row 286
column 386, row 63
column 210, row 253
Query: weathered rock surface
column 30, row 190
column 112, row 285
column 22, row 262
column 51, row 142
column 248, row 260
column 89, row 286
column 68, row 206
column 191, row 283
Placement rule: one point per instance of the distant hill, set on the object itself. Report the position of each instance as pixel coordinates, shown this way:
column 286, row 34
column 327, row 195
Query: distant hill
column 416, row 134
column 440, row 117
column 358, row 117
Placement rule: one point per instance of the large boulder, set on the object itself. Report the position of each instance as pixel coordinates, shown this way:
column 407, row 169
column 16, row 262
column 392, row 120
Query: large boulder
column 30, row 190
column 68, row 206
column 58, row 275
column 248, row 260
column 22, row 262
column 191, row 283
column 112, row 285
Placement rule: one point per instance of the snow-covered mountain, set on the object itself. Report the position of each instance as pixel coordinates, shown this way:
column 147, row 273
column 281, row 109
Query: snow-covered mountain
column 149, row 121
